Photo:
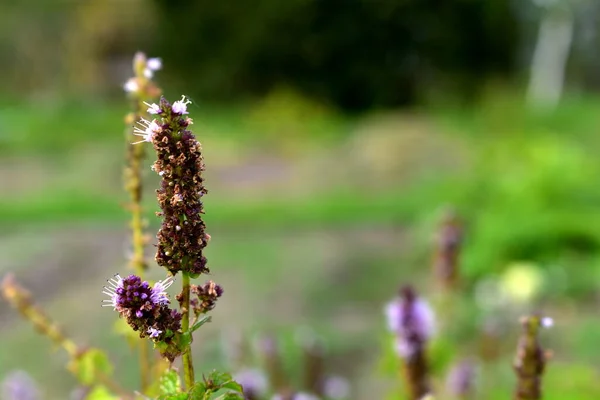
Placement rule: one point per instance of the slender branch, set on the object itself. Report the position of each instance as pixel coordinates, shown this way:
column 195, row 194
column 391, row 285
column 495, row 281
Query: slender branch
column 133, row 185
column 188, row 365
column 21, row 299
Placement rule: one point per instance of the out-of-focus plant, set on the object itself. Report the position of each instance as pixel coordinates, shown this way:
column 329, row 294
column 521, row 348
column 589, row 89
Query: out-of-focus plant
column 146, row 308
column 411, row 321
column 530, row 359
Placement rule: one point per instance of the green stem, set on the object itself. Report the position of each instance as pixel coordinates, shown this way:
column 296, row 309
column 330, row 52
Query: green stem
column 188, row 366
column 133, row 184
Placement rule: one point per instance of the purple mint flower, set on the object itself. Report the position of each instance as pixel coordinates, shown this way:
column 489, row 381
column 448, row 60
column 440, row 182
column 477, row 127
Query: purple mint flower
column 18, row 385
column 461, row 379
column 148, row 130
column 153, row 108
column 134, row 295
column 297, row 396
column 154, row 333
column 336, row 387
column 180, row 106
column 411, row 320
column 254, row 383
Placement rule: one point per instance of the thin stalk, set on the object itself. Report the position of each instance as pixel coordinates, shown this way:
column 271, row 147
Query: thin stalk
column 133, row 184
column 188, row 366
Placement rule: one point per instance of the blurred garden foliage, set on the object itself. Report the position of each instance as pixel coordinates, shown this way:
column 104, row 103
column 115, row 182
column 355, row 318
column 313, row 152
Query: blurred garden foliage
column 353, row 54
column 272, row 83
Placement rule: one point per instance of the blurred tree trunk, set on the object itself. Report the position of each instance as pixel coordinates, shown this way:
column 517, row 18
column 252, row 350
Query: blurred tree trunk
column 551, row 54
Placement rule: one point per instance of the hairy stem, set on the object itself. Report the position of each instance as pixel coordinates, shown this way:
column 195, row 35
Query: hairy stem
column 188, row 366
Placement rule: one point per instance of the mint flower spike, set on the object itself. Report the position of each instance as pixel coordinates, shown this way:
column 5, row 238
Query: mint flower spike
column 411, row 320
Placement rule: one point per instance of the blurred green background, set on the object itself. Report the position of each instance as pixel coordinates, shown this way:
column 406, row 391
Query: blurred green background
column 335, row 135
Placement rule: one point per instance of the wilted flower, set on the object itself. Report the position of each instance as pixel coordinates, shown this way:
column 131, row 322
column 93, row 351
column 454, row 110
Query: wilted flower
column 182, row 237
column 207, row 297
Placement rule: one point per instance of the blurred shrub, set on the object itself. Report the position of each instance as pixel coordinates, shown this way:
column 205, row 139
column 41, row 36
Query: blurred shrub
column 356, row 54
column 289, row 120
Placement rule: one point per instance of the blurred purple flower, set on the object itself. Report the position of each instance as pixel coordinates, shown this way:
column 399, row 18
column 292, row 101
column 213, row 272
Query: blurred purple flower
column 411, row 319
column 336, row 387
column 18, row 385
column 461, row 379
column 254, row 383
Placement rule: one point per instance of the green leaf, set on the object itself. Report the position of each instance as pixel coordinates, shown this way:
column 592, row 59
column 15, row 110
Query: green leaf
column 231, row 396
column 100, row 393
column 232, row 385
column 178, row 396
column 170, row 383
column 217, row 379
column 92, row 363
column 198, row 391
column 199, row 323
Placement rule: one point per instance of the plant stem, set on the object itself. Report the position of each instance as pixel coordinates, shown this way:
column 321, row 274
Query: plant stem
column 188, row 366
column 133, row 184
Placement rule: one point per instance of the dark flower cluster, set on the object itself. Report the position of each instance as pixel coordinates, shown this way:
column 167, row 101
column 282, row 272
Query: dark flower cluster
column 145, row 308
column 207, row 296
column 530, row 360
column 182, row 236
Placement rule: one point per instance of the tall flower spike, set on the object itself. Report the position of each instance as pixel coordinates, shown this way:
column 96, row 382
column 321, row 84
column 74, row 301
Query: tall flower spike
column 411, row 321
column 182, row 236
